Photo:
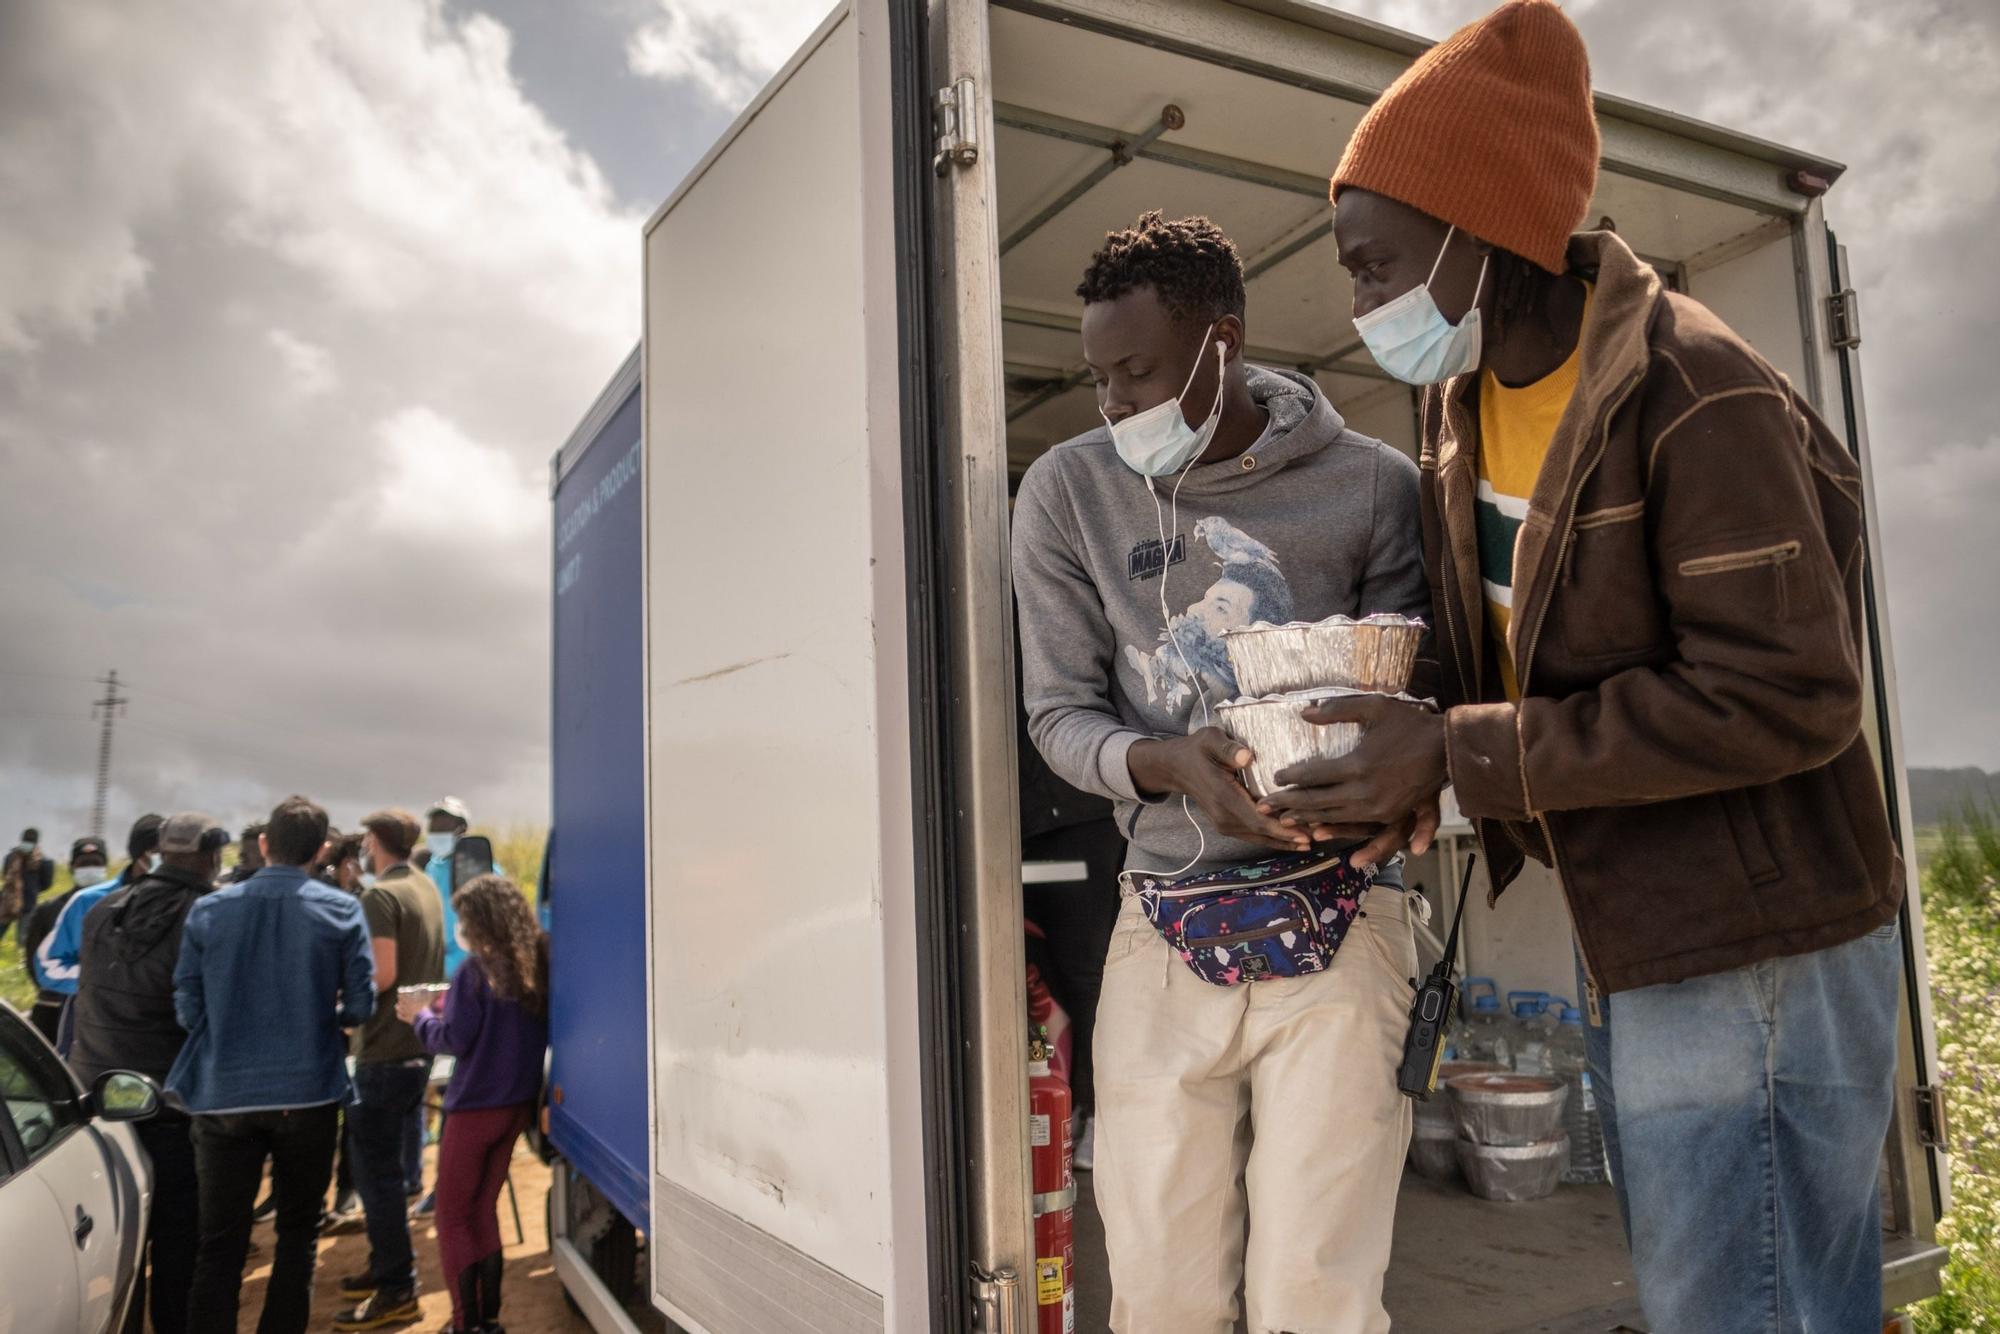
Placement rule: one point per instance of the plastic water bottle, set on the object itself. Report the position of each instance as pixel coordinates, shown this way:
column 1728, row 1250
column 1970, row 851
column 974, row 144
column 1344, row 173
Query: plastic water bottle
column 1533, row 1023
column 1482, row 1032
column 1568, row 1060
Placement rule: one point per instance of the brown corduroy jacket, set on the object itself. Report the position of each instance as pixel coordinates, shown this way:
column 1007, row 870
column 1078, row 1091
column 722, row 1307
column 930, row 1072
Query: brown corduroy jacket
column 1687, row 629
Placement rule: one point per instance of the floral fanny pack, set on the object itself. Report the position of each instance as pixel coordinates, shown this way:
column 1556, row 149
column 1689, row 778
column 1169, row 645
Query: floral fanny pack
column 1285, row 917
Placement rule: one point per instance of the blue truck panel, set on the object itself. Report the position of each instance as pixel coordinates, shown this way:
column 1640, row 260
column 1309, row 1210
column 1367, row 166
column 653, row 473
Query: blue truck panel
column 596, row 862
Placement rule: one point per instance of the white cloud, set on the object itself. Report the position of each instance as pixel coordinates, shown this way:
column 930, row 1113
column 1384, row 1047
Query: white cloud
column 295, row 302
column 433, row 472
column 309, row 366
column 725, row 48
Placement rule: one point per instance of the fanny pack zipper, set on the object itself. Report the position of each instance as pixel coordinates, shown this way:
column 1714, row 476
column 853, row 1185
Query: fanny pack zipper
column 1244, row 937
column 1199, row 891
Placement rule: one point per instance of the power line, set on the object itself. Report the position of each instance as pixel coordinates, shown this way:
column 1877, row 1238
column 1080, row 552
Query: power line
column 110, row 708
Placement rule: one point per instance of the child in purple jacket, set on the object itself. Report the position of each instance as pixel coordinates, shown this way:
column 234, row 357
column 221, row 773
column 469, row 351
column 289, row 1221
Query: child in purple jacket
column 494, row 1021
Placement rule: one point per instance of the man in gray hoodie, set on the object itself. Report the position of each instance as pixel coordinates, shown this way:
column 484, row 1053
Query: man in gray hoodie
column 1219, row 495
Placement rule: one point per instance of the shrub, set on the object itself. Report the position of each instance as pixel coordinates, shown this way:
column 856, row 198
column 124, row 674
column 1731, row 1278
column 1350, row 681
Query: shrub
column 1962, row 931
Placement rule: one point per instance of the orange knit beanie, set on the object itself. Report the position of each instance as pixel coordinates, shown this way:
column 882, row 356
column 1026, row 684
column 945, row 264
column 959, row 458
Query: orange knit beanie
column 1491, row 130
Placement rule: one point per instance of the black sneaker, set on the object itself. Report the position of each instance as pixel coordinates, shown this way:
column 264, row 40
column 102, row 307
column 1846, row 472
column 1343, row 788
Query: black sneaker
column 381, row 1311
column 357, row 1286
column 264, row 1210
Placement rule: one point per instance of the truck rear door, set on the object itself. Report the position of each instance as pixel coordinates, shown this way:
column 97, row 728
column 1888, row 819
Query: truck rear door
column 788, row 1177
column 1918, row 1188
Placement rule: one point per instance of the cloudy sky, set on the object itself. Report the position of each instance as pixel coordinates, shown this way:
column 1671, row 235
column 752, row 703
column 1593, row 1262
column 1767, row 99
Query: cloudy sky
column 296, row 300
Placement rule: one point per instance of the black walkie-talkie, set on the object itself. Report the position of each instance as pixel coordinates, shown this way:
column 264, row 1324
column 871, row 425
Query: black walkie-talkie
column 1431, row 1011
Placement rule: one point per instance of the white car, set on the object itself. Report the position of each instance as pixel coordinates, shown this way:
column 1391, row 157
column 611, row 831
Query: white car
column 75, row 1188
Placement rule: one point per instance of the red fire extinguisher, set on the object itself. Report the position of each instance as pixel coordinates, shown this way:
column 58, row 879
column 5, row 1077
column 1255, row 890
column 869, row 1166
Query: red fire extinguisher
column 1049, row 1131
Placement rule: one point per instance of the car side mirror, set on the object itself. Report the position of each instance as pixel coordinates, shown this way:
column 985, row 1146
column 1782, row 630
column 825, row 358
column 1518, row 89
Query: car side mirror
column 124, row 1095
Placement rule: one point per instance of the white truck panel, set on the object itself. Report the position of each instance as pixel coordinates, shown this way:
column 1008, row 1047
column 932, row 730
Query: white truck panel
column 778, row 780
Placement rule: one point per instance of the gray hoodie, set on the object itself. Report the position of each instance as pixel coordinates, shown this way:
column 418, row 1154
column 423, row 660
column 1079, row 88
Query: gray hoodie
column 1314, row 520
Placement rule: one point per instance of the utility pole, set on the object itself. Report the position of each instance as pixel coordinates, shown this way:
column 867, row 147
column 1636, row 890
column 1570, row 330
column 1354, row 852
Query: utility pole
column 109, row 709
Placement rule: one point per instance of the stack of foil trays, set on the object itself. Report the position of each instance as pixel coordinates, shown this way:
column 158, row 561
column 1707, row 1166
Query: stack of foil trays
column 1282, row 669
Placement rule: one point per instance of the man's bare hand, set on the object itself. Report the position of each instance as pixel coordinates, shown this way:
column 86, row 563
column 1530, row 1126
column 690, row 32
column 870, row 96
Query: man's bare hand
column 1206, row 767
column 1388, row 784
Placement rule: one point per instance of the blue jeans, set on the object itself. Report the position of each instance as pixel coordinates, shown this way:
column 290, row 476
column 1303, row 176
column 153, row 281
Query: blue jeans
column 1744, row 1118
column 385, row 1092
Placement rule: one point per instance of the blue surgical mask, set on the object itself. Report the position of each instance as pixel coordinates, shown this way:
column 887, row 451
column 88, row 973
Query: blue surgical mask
column 368, row 880
column 441, row 844
column 1159, row 441
column 1411, row 339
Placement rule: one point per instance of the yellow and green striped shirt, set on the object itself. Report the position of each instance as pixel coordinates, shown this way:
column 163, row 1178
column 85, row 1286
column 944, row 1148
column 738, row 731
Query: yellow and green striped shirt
column 1515, row 427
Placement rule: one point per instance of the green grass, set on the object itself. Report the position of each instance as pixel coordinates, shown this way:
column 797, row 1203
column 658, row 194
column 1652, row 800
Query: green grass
column 1961, row 869
column 15, row 988
column 519, row 849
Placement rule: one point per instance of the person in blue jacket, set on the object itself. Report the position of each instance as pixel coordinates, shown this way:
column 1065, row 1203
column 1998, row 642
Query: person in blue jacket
column 59, row 957
column 444, row 824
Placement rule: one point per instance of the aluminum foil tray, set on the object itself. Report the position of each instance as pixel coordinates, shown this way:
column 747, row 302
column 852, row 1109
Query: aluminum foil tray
column 1279, row 738
column 1504, row 1109
column 1374, row 653
column 1438, row 1109
column 1434, row 1150
column 1513, row 1173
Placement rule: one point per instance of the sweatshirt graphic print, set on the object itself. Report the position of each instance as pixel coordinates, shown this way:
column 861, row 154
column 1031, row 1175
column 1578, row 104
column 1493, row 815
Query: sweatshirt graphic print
column 1313, row 521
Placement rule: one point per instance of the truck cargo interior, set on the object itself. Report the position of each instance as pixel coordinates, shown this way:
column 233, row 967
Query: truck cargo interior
column 1092, row 130
column 838, row 1125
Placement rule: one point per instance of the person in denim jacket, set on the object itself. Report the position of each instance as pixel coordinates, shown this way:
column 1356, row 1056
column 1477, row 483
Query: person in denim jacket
column 270, row 971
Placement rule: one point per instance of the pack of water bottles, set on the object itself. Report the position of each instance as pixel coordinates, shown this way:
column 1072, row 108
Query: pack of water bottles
column 1520, row 1113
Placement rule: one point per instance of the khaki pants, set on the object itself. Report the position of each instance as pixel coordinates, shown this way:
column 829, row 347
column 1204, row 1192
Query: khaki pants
column 1272, row 1105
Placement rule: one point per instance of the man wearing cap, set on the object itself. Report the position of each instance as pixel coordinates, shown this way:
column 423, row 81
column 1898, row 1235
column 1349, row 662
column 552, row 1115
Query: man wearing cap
column 1646, row 554
column 125, row 1021
column 59, row 958
column 89, row 863
column 444, row 824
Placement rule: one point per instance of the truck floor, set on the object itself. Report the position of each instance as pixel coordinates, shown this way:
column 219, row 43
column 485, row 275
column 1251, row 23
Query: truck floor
column 1461, row 1265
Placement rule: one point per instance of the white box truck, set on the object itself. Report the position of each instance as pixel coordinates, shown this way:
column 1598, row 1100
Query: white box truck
column 859, row 329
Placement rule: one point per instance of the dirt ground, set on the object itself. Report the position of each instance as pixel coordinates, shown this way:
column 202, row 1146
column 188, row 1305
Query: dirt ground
column 532, row 1297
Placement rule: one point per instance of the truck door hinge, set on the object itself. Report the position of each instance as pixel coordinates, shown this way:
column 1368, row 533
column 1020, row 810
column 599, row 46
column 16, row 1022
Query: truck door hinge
column 1933, row 1129
column 1843, row 317
column 996, row 1301
column 955, row 117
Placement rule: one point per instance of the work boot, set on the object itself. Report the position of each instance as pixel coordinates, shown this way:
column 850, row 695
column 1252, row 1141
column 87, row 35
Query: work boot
column 380, row 1311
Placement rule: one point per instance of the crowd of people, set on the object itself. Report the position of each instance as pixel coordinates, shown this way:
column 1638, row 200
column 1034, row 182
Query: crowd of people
column 293, row 1008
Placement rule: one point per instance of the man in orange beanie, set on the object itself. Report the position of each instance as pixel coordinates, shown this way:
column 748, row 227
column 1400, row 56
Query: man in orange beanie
column 1645, row 552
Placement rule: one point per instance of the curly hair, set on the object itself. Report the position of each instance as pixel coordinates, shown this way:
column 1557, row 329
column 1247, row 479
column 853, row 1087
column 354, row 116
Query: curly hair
column 504, row 936
column 1189, row 263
